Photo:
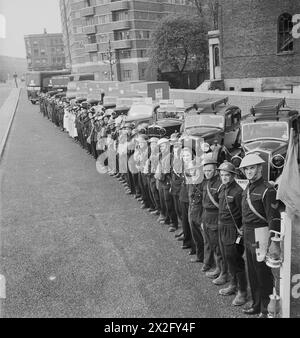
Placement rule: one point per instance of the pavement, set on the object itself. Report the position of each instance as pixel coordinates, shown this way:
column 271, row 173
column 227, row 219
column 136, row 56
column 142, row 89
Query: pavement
column 74, row 245
column 9, row 99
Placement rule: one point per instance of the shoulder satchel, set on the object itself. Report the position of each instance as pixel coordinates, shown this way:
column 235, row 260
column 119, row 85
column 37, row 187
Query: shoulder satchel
column 237, row 228
column 252, row 207
column 211, row 197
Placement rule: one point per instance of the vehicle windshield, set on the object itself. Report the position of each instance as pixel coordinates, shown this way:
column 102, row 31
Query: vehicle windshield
column 167, row 115
column 139, row 110
column 266, row 130
column 211, row 120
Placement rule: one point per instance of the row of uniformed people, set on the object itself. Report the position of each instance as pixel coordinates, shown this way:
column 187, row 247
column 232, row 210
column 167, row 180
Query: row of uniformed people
column 218, row 219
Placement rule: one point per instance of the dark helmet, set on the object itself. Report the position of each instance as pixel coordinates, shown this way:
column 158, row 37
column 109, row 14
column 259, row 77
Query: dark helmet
column 227, row 166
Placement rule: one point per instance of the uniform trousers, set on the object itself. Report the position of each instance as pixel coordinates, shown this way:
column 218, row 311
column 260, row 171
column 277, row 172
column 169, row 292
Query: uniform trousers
column 236, row 265
column 143, row 184
column 154, row 195
column 163, row 208
column 177, row 206
column 187, row 235
column 259, row 275
column 195, row 223
column 213, row 235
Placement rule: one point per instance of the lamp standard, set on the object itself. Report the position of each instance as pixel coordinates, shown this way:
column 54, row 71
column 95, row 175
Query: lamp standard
column 110, row 60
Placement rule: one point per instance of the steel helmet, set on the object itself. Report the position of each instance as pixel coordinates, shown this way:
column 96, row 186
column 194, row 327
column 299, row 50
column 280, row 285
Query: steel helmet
column 209, row 159
column 154, row 140
column 227, row 166
column 251, row 159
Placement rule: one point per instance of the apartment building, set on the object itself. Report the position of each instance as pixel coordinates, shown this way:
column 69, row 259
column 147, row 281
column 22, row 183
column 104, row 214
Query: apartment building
column 110, row 38
column 45, row 51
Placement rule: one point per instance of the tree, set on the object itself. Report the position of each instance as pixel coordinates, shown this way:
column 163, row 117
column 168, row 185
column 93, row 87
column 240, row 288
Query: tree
column 207, row 10
column 178, row 42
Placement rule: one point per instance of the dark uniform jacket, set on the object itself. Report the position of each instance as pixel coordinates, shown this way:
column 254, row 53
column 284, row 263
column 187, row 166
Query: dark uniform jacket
column 176, row 177
column 165, row 169
column 210, row 211
column 263, row 199
column 231, row 218
column 196, row 196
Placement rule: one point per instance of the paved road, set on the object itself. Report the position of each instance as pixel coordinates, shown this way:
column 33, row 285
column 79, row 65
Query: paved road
column 74, row 245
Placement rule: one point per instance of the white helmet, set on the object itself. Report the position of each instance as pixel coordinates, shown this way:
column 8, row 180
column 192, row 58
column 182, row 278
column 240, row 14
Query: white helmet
column 251, row 159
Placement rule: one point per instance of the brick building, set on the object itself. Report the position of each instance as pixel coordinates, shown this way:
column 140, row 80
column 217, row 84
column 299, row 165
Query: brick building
column 45, row 51
column 254, row 50
column 110, row 38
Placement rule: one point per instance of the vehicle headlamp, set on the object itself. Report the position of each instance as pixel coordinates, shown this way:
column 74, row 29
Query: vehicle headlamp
column 205, row 147
column 278, row 161
column 236, row 161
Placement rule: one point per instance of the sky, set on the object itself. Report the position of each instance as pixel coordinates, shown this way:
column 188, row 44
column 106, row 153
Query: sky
column 25, row 17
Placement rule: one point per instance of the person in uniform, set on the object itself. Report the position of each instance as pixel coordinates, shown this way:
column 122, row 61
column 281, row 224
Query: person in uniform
column 168, row 215
column 187, row 156
column 176, row 176
column 152, row 167
column 141, row 156
column 230, row 235
column 260, row 209
column 195, row 210
column 211, row 188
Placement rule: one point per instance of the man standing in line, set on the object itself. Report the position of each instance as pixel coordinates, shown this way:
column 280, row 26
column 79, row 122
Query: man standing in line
column 195, row 211
column 231, row 242
column 260, row 209
column 211, row 189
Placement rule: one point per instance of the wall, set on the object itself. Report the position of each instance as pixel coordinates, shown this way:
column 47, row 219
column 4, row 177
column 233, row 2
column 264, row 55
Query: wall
column 249, row 39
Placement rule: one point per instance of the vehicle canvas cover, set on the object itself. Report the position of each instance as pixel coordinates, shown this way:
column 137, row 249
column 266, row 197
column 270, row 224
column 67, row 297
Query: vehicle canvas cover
column 268, row 106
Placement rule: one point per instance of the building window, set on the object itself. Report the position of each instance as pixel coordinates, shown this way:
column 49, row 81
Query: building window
column 216, row 56
column 125, row 54
column 120, row 16
column 122, row 35
column 92, row 38
column 141, row 53
column 127, row 74
column 93, row 57
column 285, row 38
column 36, row 52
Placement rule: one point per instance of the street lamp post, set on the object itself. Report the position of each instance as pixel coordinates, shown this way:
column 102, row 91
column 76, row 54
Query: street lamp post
column 111, row 61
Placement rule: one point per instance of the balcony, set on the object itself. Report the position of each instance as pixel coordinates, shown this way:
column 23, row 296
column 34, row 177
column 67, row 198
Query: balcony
column 118, row 25
column 88, row 11
column 89, row 30
column 121, row 44
column 92, row 47
column 119, row 5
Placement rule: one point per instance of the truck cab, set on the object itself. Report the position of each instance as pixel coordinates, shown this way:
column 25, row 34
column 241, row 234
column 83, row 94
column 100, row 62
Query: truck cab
column 218, row 123
column 266, row 130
